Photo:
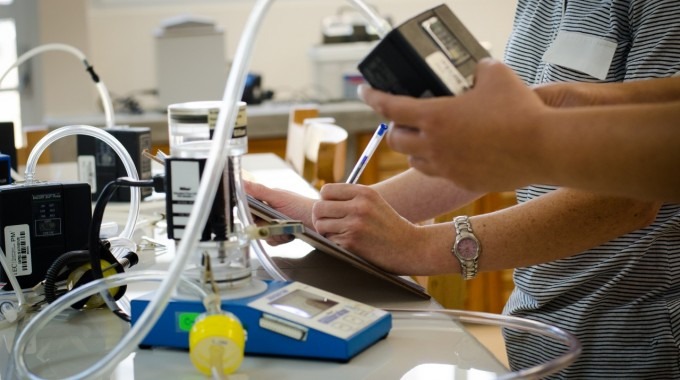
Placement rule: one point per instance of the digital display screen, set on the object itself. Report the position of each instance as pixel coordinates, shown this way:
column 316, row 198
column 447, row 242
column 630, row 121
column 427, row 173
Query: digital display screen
column 443, row 37
column 303, row 304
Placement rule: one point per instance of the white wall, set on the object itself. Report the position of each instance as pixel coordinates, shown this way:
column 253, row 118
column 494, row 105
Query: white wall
column 66, row 87
column 121, row 40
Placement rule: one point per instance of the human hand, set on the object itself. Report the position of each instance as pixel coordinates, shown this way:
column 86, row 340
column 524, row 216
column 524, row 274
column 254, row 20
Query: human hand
column 357, row 218
column 291, row 204
column 481, row 140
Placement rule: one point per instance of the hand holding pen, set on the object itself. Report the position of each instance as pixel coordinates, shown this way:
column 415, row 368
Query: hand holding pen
column 368, row 152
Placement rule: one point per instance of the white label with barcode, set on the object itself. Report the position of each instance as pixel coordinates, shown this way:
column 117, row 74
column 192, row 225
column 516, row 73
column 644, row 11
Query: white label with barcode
column 18, row 249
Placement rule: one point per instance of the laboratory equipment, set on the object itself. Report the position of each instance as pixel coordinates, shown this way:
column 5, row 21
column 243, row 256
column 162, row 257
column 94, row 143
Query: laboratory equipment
column 223, row 236
column 196, row 121
column 281, row 318
column 431, row 54
column 39, row 223
column 99, row 165
column 288, row 319
column 334, row 68
column 117, row 147
column 191, row 62
column 215, row 165
column 191, row 125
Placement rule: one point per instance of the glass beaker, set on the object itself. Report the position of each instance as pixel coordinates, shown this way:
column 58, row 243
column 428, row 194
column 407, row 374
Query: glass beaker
column 195, row 121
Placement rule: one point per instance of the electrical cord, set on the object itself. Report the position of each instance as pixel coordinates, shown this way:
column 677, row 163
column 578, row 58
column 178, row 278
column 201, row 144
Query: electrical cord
column 77, row 258
column 95, row 245
column 83, row 266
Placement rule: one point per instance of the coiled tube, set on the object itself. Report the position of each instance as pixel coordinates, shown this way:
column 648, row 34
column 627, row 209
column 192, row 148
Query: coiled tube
column 111, row 141
column 64, row 302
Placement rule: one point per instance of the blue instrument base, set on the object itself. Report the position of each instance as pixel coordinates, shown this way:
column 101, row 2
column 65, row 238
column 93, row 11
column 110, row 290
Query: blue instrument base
column 172, row 328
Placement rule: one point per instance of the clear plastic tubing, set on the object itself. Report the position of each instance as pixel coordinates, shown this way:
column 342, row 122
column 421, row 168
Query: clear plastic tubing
column 206, row 192
column 104, row 136
column 62, row 303
column 244, row 214
column 381, row 26
column 101, row 88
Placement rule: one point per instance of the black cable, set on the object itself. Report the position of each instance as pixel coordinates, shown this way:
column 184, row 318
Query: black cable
column 52, row 276
column 95, row 228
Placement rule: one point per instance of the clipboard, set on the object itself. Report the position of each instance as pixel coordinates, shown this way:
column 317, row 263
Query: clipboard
column 323, row 245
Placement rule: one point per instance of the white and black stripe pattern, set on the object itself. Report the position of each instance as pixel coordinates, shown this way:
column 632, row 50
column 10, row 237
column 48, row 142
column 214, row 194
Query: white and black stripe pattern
column 621, row 299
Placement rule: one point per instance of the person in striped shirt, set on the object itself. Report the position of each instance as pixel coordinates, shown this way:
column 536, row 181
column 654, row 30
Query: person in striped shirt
column 605, row 268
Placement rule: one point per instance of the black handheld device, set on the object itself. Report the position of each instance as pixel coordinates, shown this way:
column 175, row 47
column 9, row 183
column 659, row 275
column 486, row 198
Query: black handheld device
column 431, row 54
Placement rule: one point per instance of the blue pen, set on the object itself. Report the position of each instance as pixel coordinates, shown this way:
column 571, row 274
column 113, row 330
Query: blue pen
column 368, row 152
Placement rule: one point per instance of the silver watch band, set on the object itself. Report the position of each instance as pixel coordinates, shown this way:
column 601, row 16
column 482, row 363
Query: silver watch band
column 468, row 262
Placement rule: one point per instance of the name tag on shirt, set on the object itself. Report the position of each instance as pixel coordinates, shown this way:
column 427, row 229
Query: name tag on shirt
column 586, row 53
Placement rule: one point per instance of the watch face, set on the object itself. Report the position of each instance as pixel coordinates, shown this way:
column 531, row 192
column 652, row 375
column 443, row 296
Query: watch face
column 467, row 248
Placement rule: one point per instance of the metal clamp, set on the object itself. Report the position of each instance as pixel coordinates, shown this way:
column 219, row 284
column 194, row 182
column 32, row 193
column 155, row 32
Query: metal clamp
column 278, row 227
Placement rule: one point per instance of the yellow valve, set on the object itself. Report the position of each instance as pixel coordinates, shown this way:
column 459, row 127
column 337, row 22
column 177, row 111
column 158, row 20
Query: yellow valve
column 74, row 277
column 217, row 342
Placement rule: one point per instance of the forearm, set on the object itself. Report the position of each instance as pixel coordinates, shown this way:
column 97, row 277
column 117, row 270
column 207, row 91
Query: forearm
column 648, row 91
column 554, row 226
column 562, row 95
column 417, row 197
column 631, row 150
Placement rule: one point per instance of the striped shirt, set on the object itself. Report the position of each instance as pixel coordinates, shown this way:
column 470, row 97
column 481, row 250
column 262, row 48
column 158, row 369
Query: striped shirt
column 621, row 299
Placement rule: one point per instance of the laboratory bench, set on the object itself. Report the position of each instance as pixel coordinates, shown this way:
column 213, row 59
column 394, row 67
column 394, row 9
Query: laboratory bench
column 423, row 343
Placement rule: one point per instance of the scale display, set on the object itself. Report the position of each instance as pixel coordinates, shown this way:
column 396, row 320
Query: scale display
column 288, row 319
column 303, row 304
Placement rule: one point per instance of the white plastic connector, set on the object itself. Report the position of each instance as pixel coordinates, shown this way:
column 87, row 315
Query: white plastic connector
column 9, row 311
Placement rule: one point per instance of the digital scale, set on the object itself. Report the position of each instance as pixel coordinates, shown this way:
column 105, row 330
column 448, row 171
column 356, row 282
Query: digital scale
column 286, row 319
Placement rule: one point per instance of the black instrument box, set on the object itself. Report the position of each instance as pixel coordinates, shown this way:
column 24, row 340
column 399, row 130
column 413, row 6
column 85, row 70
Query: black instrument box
column 432, row 54
column 98, row 163
column 39, row 223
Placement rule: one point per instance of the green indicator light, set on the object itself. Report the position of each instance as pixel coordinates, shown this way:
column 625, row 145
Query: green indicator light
column 186, row 320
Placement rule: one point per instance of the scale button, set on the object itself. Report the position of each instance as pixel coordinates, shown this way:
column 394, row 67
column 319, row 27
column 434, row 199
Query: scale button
column 354, row 320
column 342, row 326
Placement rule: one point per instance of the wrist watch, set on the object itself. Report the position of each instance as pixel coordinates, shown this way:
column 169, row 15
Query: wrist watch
column 466, row 248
